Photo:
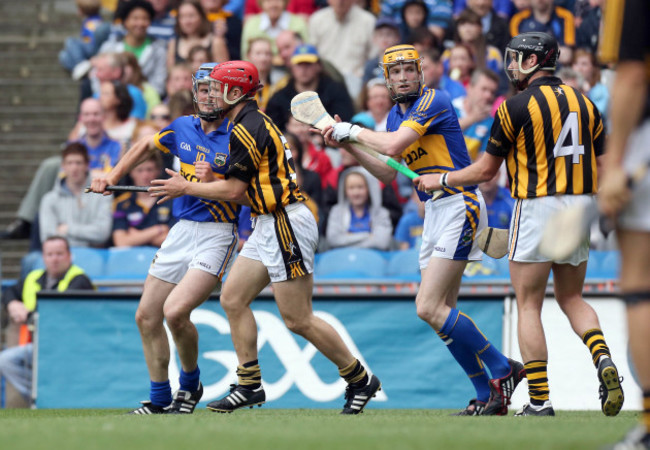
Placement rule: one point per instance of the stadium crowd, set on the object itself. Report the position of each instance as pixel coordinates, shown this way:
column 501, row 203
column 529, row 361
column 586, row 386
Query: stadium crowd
column 137, row 59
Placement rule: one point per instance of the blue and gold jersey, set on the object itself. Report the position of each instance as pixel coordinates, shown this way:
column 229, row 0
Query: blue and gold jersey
column 185, row 138
column 441, row 146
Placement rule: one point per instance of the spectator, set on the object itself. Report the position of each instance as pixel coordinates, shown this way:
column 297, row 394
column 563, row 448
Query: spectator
column 20, row 300
column 313, row 158
column 163, row 22
column 498, row 201
column 261, row 55
column 178, row 79
column 103, row 153
column 408, row 233
column 270, row 22
column 358, row 219
column 181, row 104
column 111, row 67
column 133, row 76
column 116, row 103
column 85, row 220
column 435, row 78
column 193, row 28
column 78, row 50
column 586, row 64
column 287, row 42
column 306, row 75
column 571, row 78
column 161, row 116
column 386, row 35
column 469, row 31
column 502, row 8
column 376, row 100
column 494, row 20
column 302, row 7
column 589, row 27
column 308, row 181
column 414, row 16
column 342, row 33
column 554, row 20
column 137, row 218
column 422, row 39
column 197, row 56
column 225, row 25
column 136, row 16
column 461, row 63
column 439, row 13
column 474, row 111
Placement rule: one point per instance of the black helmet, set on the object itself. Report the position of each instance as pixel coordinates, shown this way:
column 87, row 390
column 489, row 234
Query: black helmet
column 520, row 47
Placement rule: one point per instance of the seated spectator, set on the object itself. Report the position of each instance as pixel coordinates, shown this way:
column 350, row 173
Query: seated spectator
column 499, row 203
column 434, row 75
column 84, row 219
column 461, row 63
column 342, row 33
column 193, row 28
column 268, row 24
column 469, row 31
column 136, row 16
column 474, row 111
column 20, row 300
column 103, row 154
column 111, row 67
column 586, row 64
column 385, row 35
column 307, row 75
column 225, row 25
column 197, row 56
column 163, row 22
column 358, row 219
column 438, row 13
column 302, row 7
column 545, row 17
column 133, row 76
column 414, row 15
column 181, row 104
column 78, row 50
column 571, row 78
column 116, row 103
column 178, row 79
column 161, row 116
column 137, row 218
column 259, row 53
column 377, row 102
column 408, row 233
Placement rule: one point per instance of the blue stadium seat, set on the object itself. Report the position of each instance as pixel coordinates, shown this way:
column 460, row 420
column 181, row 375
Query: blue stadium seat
column 91, row 260
column 351, row 263
column 404, row 264
column 602, row 265
column 31, row 261
column 131, row 263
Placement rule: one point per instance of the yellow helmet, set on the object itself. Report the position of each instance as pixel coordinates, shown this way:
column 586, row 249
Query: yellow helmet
column 399, row 54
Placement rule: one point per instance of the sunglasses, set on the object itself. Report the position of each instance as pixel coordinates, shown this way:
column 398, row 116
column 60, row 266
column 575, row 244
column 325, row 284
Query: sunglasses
column 160, row 117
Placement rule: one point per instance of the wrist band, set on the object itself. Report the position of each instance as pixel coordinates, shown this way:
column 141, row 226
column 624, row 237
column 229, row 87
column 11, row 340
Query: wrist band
column 443, row 180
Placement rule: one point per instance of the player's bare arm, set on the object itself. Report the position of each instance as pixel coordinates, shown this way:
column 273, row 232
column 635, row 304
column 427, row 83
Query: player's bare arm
column 482, row 170
column 627, row 101
column 230, row 190
column 136, row 154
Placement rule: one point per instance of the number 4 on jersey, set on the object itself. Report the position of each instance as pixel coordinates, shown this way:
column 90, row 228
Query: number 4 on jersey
column 569, row 130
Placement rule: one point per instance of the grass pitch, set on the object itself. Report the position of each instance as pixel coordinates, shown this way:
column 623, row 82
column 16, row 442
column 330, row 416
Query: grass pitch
column 306, row 429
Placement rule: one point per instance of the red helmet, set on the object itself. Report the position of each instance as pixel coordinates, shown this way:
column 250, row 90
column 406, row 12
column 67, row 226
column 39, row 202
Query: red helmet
column 241, row 74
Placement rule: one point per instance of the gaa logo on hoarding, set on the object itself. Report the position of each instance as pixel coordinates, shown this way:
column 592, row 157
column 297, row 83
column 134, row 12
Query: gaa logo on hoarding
column 296, row 360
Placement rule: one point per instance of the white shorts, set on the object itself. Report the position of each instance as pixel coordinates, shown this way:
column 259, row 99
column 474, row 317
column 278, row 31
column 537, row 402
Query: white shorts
column 529, row 221
column 636, row 215
column 207, row 246
column 451, row 226
column 285, row 242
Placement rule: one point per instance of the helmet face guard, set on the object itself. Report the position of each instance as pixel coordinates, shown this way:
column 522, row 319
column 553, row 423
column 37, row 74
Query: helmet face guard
column 236, row 74
column 401, row 55
column 206, row 110
column 542, row 45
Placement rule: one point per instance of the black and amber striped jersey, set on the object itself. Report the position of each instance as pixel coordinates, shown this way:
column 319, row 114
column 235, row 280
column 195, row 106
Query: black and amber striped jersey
column 260, row 156
column 626, row 36
column 550, row 135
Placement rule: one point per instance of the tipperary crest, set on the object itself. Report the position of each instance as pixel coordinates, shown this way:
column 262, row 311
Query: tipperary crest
column 220, row 159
